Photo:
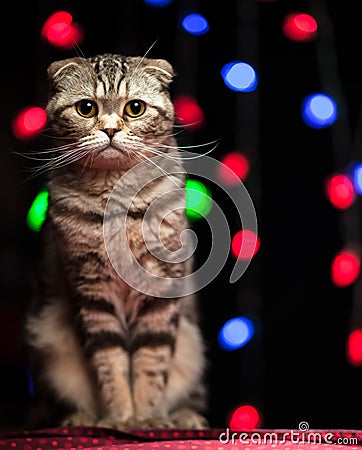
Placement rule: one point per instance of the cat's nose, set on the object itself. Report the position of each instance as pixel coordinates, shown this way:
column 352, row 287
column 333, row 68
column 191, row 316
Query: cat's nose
column 110, row 132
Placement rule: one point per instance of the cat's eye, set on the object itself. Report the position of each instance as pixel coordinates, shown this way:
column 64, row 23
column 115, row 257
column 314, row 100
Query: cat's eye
column 87, row 108
column 135, row 108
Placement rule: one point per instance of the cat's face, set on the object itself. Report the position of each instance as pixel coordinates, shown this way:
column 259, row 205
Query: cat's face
column 110, row 111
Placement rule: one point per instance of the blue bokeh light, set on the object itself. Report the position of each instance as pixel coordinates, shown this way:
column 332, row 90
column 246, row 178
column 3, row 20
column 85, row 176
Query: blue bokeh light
column 319, row 110
column 158, row 3
column 357, row 178
column 195, row 24
column 235, row 333
column 239, row 76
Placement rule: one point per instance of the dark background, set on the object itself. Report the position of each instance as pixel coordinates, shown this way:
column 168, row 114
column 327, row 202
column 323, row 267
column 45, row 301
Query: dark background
column 295, row 368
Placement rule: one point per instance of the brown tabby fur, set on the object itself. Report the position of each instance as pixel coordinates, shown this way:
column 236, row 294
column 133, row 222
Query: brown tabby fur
column 101, row 352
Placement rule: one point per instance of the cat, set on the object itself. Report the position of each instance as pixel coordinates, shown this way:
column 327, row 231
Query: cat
column 101, row 352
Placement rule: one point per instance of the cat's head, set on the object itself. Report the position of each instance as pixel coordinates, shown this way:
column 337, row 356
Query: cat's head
column 110, row 111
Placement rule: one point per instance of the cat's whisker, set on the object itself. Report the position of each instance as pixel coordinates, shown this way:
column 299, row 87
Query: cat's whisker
column 188, row 147
column 187, row 126
column 71, row 146
column 167, row 174
column 67, row 157
column 36, row 156
column 79, row 52
column 57, row 163
column 188, row 158
column 67, row 162
column 92, row 156
column 153, row 150
column 175, row 156
column 176, row 133
column 50, row 136
column 143, row 58
column 89, row 157
column 45, row 150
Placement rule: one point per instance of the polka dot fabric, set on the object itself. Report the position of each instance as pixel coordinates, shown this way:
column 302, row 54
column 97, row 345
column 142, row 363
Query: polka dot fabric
column 93, row 438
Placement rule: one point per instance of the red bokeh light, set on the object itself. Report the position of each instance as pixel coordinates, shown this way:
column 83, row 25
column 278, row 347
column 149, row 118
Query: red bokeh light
column 60, row 30
column 245, row 244
column 59, row 17
column 354, row 347
column 238, row 163
column 189, row 112
column 299, row 27
column 345, row 268
column 340, row 191
column 245, row 417
column 29, row 122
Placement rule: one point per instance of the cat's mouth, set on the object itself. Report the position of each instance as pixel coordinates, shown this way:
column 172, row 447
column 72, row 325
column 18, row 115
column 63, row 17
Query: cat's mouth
column 106, row 152
column 107, row 155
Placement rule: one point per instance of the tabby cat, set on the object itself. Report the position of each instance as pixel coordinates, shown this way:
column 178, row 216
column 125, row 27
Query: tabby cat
column 101, row 352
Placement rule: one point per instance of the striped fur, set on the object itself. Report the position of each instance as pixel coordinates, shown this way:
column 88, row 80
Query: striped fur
column 102, row 352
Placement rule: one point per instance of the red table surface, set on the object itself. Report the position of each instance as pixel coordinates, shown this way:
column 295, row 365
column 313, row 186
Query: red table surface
column 93, row 438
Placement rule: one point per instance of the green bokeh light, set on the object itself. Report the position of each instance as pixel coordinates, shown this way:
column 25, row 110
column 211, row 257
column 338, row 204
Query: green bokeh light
column 38, row 211
column 198, row 199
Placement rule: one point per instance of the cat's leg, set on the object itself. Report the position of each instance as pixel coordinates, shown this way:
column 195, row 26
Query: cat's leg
column 153, row 343
column 150, row 365
column 104, row 344
column 101, row 327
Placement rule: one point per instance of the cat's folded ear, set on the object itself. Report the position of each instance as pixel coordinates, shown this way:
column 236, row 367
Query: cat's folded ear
column 58, row 69
column 162, row 69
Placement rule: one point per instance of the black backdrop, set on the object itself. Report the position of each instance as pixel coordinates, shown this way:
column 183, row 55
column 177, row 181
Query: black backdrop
column 295, row 367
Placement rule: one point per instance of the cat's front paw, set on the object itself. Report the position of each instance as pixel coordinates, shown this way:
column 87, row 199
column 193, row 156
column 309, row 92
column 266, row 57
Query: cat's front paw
column 136, row 423
column 188, row 418
column 79, row 419
column 181, row 418
column 117, row 423
column 154, row 422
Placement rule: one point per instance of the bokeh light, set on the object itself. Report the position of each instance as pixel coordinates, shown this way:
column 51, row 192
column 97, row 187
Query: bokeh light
column 59, row 17
column 28, row 122
column 195, row 24
column 235, row 333
column 245, row 244
column 189, row 112
column 236, row 162
column 319, row 110
column 345, row 268
column 198, row 199
column 38, row 211
column 239, row 76
column 158, row 3
column 340, row 191
column 60, row 30
column 354, row 347
column 245, row 417
column 357, row 178
column 299, row 27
